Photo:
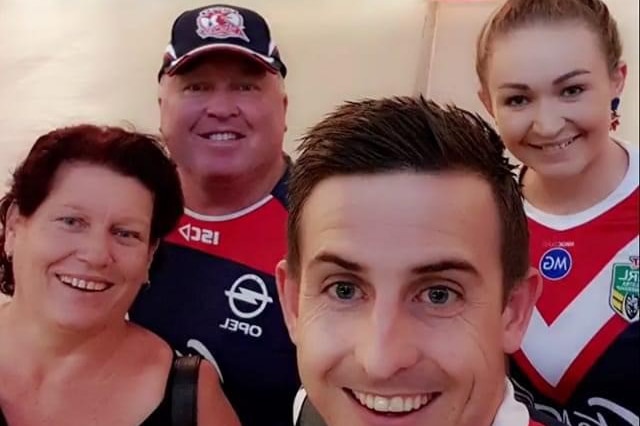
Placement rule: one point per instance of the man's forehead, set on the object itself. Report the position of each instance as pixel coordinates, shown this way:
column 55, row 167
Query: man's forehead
column 413, row 210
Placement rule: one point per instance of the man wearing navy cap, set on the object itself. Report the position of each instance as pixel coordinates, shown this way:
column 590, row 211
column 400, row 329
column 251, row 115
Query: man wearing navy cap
column 222, row 115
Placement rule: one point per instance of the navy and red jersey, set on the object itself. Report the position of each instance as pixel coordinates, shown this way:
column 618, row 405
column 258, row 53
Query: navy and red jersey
column 212, row 291
column 580, row 358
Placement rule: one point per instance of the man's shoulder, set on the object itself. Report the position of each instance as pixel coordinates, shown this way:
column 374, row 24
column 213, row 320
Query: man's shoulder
column 281, row 190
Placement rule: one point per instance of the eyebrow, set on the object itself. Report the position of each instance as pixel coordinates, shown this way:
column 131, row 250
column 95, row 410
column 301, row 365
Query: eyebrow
column 453, row 264
column 337, row 260
column 559, row 80
column 446, row 265
column 123, row 220
column 567, row 76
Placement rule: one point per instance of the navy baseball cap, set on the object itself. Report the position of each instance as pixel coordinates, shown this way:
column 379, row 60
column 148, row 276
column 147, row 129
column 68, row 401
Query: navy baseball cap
column 221, row 27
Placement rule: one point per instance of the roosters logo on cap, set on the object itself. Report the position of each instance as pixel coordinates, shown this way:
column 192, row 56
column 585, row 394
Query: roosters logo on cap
column 221, row 22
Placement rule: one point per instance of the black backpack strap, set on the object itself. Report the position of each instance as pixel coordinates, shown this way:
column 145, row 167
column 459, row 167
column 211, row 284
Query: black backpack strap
column 184, row 392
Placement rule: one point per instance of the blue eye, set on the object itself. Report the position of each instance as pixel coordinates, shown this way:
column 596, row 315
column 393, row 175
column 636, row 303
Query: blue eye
column 123, row 233
column 439, row 296
column 344, row 290
column 71, row 222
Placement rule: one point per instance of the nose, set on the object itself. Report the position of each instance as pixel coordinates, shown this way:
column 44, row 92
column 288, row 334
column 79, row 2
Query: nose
column 548, row 121
column 386, row 346
column 95, row 250
column 222, row 104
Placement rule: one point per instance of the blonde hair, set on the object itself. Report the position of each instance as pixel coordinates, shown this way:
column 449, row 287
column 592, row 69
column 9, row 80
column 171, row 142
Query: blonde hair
column 516, row 14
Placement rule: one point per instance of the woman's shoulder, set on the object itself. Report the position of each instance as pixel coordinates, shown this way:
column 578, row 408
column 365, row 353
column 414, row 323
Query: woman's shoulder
column 148, row 347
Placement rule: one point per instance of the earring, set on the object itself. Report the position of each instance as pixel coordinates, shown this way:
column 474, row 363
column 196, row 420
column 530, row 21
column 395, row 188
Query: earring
column 9, row 256
column 615, row 117
column 146, row 285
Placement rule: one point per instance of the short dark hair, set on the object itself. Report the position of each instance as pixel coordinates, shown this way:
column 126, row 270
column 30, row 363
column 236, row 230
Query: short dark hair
column 412, row 134
column 130, row 153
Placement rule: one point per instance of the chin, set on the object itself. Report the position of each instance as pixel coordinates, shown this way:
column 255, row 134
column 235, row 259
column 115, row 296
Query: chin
column 565, row 170
column 79, row 322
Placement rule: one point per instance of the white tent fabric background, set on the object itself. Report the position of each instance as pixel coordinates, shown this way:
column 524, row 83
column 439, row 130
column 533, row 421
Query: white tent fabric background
column 71, row 61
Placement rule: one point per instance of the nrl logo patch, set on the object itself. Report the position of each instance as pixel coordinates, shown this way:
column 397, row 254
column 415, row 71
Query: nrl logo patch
column 625, row 289
column 221, row 22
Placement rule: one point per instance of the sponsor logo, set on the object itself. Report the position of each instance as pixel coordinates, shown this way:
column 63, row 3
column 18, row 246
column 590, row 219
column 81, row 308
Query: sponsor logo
column 251, row 291
column 625, row 289
column 248, row 297
column 555, row 263
column 221, row 22
column 194, row 233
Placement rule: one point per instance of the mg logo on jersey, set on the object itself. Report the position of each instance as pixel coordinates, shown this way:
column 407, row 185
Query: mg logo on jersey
column 194, row 233
column 555, row 264
column 248, row 298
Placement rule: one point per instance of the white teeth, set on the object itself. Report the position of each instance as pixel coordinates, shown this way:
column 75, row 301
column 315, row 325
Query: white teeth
column 83, row 284
column 369, row 401
column 392, row 404
column 396, row 405
column 408, row 404
column 226, row 136
column 557, row 146
column 381, row 403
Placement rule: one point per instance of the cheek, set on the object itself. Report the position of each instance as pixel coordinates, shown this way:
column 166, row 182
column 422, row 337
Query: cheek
column 46, row 248
column 133, row 267
column 474, row 343
column 177, row 116
column 592, row 114
column 265, row 114
column 323, row 338
column 512, row 126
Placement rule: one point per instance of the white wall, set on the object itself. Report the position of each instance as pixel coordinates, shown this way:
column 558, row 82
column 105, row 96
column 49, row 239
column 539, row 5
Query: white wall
column 452, row 74
column 66, row 61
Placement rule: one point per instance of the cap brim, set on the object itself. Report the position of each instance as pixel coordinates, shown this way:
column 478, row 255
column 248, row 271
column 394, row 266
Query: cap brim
column 266, row 62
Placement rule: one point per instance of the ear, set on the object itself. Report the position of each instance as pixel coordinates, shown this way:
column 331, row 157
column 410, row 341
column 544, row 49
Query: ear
column 13, row 220
column 518, row 309
column 150, row 255
column 162, row 88
column 159, row 92
column 618, row 78
column 485, row 98
column 285, row 100
column 288, row 294
column 152, row 252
